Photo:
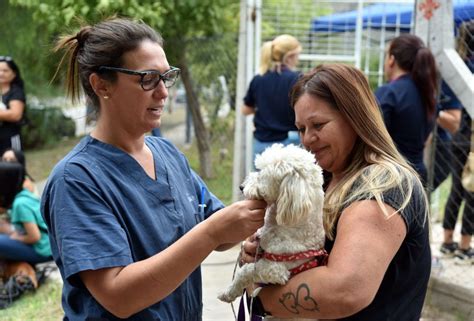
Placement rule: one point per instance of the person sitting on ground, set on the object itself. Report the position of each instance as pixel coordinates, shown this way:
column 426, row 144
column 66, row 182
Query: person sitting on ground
column 17, row 156
column 24, row 238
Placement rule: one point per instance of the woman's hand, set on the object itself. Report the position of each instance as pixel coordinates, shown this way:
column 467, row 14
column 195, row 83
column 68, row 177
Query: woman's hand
column 248, row 250
column 237, row 221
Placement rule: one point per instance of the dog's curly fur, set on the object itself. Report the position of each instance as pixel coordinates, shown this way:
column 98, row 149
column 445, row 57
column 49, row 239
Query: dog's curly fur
column 291, row 183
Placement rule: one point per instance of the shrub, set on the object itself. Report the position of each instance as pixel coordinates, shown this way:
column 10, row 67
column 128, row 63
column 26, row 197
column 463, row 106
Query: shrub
column 45, row 127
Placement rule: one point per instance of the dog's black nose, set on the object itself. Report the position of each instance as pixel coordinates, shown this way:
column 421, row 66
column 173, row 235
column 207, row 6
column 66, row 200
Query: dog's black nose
column 241, row 187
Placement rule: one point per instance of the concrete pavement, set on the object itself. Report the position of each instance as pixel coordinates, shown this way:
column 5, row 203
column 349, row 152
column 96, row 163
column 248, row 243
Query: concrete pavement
column 217, row 272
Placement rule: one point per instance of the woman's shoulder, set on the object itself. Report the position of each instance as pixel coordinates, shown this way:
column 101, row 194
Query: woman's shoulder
column 16, row 93
column 76, row 160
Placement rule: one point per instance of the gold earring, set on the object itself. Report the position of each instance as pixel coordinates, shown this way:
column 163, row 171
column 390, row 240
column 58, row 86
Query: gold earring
column 106, row 97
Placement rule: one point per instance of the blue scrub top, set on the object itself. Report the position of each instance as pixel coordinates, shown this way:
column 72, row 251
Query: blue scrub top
column 447, row 101
column 406, row 120
column 270, row 95
column 103, row 210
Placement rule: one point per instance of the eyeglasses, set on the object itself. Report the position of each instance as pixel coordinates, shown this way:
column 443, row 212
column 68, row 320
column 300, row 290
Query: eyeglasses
column 6, row 58
column 149, row 79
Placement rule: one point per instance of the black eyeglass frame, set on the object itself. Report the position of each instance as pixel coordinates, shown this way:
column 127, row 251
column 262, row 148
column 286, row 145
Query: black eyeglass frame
column 144, row 73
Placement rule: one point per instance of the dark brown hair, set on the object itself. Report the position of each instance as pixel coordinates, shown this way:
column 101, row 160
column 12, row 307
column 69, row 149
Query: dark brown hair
column 413, row 56
column 103, row 44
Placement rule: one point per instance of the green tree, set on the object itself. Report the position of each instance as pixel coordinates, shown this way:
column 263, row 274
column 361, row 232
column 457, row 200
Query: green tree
column 180, row 22
column 29, row 45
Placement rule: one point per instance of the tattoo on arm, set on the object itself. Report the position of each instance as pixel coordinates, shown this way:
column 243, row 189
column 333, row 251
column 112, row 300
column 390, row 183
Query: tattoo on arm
column 302, row 300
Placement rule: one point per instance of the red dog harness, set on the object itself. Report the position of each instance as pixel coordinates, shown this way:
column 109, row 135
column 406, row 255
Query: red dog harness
column 319, row 258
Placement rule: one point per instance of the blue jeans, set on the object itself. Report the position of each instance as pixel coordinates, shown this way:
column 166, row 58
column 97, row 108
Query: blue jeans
column 14, row 250
column 259, row 146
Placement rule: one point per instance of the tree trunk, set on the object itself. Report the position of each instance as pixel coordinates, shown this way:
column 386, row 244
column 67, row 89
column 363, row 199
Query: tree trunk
column 202, row 135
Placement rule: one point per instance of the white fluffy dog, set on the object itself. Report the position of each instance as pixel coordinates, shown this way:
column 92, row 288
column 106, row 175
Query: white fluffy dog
column 291, row 182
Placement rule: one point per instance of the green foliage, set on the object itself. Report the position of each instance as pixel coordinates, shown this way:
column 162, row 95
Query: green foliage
column 45, row 127
column 29, row 45
column 280, row 18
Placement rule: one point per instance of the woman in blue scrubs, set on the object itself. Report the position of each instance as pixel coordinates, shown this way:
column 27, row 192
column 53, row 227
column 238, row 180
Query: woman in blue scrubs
column 408, row 100
column 129, row 221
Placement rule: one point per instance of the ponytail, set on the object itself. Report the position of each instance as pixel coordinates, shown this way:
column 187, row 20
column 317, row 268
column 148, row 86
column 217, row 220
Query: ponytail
column 265, row 58
column 274, row 53
column 103, row 44
column 412, row 56
column 71, row 45
column 425, row 76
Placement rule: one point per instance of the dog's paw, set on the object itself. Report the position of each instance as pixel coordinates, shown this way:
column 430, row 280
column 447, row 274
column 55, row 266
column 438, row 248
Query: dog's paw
column 227, row 296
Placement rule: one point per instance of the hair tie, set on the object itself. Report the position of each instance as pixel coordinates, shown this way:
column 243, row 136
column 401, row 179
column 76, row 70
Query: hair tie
column 82, row 35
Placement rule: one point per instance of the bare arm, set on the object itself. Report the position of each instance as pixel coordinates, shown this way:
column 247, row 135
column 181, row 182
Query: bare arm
column 31, row 236
column 14, row 113
column 450, row 119
column 124, row 291
column 365, row 245
column 247, row 110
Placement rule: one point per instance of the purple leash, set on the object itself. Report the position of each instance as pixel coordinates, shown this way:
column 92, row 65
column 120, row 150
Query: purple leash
column 241, row 314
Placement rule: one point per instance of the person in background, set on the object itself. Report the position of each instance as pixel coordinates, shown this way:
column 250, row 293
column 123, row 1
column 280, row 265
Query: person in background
column 25, row 236
column 461, row 146
column 12, row 106
column 376, row 211
column 129, row 220
column 268, row 94
column 449, row 110
column 16, row 156
column 408, row 100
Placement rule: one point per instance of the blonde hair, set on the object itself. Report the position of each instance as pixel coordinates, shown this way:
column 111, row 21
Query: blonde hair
column 274, row 53
column 375, row 166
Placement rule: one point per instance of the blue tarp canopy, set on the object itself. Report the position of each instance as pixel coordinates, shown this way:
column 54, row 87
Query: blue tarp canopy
column 386, row 15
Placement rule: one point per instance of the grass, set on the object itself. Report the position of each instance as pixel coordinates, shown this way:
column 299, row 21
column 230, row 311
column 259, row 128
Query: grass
column 42, row 305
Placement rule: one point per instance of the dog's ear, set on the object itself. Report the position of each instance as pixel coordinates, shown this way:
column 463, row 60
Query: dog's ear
column 294, row 201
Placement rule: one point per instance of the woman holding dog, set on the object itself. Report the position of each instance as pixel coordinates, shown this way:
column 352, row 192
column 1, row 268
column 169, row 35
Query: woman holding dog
column 375, row 213
column 122, row 209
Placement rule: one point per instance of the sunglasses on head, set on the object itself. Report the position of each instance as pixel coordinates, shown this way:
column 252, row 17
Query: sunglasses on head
column 6, row 58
